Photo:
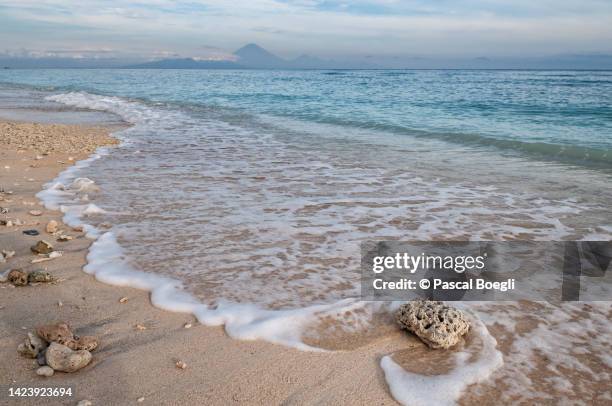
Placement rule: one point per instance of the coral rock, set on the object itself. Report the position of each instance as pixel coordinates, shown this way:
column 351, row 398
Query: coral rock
column 31, row 346
column 39, row 276
column 52, row 227
column 18, row 277
column 42, row 247
column 436, row 324
column 62, row 358
column 88, row 343
column 60, row 333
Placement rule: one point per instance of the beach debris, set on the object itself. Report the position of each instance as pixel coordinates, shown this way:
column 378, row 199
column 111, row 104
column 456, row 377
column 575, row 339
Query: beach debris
column 123, row 300
column 39, row 276
column 61, row 358
column 58, row 332
column 31, row 346
column 30, row 232
column 42, row 247
column 84, row 402
column 18, row 277
column 35, row 213
column 55, row 254
column 45, row 371
column 187, row 325
column 52, row 227
column 436, row 324
column 88, row 343
column 62, row 333
column 180, row 364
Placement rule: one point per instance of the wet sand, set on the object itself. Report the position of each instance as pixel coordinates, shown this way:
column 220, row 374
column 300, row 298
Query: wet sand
column 132, row 363
column 140, row 345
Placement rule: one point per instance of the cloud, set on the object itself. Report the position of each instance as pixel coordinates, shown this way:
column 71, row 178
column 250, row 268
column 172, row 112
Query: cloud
column 322, row 27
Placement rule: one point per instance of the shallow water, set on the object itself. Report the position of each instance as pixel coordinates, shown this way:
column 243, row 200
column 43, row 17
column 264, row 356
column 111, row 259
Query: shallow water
column 250, row 192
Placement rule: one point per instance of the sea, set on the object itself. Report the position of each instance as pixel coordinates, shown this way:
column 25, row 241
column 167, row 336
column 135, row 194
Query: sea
column 242, row 196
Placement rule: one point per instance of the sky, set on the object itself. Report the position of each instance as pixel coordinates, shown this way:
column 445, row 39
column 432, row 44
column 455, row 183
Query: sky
column 213, row 29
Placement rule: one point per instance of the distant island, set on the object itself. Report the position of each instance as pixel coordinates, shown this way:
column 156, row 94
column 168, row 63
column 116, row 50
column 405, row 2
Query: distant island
column 253, row 56
column 250, row 56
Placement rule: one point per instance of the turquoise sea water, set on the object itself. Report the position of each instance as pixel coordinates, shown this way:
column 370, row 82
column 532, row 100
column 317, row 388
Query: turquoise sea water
column 565, row 115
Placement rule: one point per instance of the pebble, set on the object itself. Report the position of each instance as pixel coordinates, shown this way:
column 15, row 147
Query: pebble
column 140, row 327
column 45, row 371
column 84, row 402
column 52, row 226
column 188, row 325
column 8, row 254
column 140, row 399
column 123, row 300
column 35, row 213
column 181, row 365
column 30, row 232
column 39, row 276
column 62, row 358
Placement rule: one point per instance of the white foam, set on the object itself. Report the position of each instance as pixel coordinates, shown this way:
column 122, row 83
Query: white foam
column 410, row 388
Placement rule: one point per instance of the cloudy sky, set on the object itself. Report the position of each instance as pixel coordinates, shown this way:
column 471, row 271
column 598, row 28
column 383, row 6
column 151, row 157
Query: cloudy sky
column 211, row 29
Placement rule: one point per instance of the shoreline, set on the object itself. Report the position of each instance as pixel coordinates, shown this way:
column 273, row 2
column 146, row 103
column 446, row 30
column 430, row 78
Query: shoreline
column 139, row 343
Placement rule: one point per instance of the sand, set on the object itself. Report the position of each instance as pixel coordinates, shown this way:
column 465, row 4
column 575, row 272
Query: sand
column 132, row 363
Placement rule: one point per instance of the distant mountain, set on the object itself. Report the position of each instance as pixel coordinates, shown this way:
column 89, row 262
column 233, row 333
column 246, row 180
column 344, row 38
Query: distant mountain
column 254, row 56
column 186, row 63
column 250, row 56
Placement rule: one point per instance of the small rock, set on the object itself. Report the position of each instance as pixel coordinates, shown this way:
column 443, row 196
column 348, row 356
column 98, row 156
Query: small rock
column 88, row 343
column 39, row 276
column 30, row 232
column 62, row 358
column 78, row 229
column 45, row 371
column 35, row 213
column 18, row 277
column 140, row 399
column 123, row 300
column 436, row 324
column 42, row 247
column 31, row 346
column 59, row 333
column 56, row 254
column 140, row 327
column 64, row 238
column 40, row 359
column 84, row 402
column 181, row 365
column 188, row 325
column 8, row 254
column 52, row 227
